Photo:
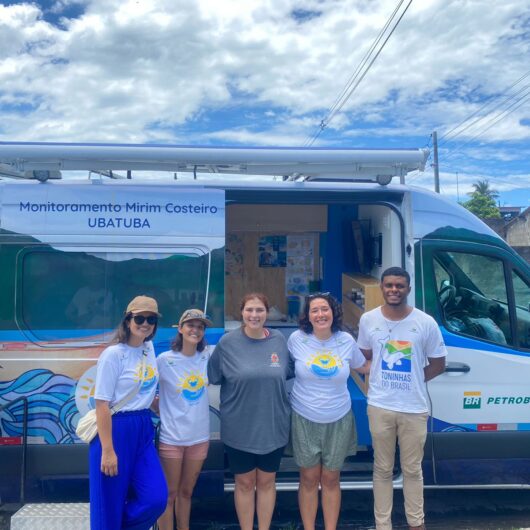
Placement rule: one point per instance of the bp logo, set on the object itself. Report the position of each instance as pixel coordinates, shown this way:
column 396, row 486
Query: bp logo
column 472, row 400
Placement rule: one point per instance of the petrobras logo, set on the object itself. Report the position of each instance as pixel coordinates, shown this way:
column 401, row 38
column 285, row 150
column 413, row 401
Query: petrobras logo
column 508, row 400
column 472, row 400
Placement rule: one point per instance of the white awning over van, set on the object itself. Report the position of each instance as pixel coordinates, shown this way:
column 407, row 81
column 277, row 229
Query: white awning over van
column 378, row 165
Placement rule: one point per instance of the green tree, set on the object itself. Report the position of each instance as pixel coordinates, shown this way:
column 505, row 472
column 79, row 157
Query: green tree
column 482, row 187
column 482, row 202
column 482, row 206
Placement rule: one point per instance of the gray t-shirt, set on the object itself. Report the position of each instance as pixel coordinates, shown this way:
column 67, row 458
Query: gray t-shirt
column 255, row 411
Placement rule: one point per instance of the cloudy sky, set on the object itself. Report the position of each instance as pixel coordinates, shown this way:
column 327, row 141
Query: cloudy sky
column 267, row 72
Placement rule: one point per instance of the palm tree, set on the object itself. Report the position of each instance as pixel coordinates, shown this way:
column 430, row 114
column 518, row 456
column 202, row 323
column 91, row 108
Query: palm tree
column 482, row 187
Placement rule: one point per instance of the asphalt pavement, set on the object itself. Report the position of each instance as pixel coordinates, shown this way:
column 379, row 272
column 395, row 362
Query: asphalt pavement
column 445, row 510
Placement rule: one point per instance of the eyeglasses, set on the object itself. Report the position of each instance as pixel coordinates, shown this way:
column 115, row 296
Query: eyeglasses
column 312, row 296
column 140, row 319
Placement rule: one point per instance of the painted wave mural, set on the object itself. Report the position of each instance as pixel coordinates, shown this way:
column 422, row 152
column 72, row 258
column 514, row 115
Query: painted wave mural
column 52, row 411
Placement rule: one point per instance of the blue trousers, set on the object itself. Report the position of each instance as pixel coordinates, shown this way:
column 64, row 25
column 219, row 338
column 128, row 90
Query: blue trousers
column 137, row 496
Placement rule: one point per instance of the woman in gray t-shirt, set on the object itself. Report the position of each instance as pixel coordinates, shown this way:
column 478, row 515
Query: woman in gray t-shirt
column 252, row 365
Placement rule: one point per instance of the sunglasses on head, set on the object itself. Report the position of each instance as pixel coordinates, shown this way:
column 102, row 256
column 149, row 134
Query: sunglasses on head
column 312, row 296
column 140, row 319
column 194, row 314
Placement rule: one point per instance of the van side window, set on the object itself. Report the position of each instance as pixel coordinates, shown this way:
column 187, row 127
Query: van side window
column 441, row 275
column 521, row 291
column 472, row 295
column 87, row 291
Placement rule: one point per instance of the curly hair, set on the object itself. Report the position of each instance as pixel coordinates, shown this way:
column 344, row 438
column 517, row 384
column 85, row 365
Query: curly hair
column 336, row 309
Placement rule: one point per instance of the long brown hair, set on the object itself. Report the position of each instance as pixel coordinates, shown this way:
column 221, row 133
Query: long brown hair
column 176, row 344
column 123, row 332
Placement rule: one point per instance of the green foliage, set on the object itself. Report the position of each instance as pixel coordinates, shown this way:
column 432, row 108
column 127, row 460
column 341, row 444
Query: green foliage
column 482, row 206
column 482, row 187
column 482, row 202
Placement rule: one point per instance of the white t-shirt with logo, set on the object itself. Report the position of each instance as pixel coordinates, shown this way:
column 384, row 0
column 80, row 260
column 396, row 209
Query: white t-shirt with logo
column 184, row 407
column 119, row 370
column 400, row 351
column 320, row 393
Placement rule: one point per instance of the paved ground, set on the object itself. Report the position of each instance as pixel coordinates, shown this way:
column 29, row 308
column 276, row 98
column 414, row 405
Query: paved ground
column 446, row 510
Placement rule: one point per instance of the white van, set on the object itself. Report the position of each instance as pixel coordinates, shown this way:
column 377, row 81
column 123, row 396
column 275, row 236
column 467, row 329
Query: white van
column 73, row 253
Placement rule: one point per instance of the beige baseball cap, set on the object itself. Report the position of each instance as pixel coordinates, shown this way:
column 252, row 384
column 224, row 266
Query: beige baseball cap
column 142, row 303
column 193, row 314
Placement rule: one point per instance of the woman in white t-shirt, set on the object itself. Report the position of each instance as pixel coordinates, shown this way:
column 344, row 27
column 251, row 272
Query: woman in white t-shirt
column 127, row 484
column 322, row 425
column 184, row 415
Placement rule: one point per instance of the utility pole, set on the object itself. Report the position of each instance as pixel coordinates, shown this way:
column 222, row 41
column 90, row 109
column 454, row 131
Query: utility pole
column 457, row 191
column 435, row 163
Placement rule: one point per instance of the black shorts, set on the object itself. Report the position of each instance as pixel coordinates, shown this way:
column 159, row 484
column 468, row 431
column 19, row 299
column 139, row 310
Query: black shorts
column 241, row 462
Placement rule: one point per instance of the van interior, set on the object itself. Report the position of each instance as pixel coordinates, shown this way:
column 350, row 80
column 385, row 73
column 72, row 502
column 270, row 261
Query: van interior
column 289, row 250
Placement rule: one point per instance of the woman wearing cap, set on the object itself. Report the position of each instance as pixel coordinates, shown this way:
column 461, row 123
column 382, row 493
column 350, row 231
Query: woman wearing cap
column 322, row 423
column 127, row 485
column 252, row 364
column 184, row 414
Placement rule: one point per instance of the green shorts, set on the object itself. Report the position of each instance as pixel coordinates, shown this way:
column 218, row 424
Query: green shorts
column 322, row 443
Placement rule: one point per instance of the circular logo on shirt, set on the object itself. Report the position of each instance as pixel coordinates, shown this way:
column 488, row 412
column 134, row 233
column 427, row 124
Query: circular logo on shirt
column 192, row 387
column 148, row 378
column 323, row 365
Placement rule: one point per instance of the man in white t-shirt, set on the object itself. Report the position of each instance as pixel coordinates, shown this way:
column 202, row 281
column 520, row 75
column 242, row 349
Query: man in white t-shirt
column 407, row 350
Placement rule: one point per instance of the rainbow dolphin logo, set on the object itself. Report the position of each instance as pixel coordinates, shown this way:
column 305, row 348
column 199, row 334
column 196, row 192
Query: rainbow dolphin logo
column 397, row 355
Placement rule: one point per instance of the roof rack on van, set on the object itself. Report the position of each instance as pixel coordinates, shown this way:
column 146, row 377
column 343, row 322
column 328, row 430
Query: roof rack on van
column 34, row 159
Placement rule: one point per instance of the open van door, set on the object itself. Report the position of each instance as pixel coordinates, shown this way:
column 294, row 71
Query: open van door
column 480, row 296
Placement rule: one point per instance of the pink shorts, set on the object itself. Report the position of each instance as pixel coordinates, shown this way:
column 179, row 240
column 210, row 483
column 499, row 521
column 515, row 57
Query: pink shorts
column 189, row 452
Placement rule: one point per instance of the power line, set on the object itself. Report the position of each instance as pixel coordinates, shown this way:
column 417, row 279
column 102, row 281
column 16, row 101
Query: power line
column 361, row 65
column 447, row 135
column 494, row 120
column 357, row 76
column 492, row 178
column 481, row 124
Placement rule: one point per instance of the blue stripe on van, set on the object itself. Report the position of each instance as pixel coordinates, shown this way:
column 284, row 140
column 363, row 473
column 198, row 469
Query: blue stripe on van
column 163, row 335
column 470, row 343
column 442, row 426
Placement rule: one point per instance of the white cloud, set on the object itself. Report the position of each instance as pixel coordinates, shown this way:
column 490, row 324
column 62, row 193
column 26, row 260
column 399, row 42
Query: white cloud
column 137, row 71
column 244, row 136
